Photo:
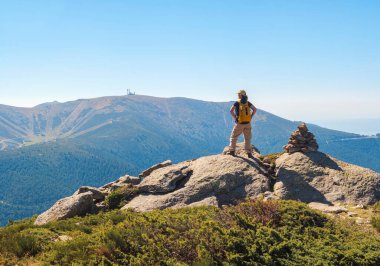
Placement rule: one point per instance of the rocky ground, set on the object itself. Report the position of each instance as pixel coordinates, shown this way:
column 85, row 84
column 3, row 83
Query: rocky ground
column 327, row 184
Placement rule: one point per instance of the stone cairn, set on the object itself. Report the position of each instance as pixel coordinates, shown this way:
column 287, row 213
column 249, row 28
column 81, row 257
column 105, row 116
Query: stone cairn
column 301, row 140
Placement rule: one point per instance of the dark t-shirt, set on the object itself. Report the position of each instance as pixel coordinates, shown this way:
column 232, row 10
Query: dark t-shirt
column 236, row 104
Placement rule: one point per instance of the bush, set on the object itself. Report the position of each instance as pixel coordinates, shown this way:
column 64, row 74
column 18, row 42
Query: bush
column 376, row 207
column 20, row 239
column 272, row 157
column 24, row 245
column 254, row 232
column 75, row 252
column 375, row 220
column 120, row 196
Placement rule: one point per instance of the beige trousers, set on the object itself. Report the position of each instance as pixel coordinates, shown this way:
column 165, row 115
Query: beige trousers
column 238, row 129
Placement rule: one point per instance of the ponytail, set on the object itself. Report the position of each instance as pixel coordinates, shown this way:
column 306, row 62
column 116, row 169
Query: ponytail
column 244, row 99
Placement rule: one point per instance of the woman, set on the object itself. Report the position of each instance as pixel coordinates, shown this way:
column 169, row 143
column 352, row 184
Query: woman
column 242, row 111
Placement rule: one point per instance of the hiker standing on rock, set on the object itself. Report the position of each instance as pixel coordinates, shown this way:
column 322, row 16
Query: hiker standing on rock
column 241, row 112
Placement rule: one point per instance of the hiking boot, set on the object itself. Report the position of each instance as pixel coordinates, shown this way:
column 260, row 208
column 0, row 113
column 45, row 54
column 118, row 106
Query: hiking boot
column 232, row 153
column 250, row 155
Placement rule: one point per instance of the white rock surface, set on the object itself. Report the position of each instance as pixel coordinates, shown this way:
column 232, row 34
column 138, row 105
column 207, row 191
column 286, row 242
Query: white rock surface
column 327, row 208
column 212, row 180
column 316, row 176
column 67, row 207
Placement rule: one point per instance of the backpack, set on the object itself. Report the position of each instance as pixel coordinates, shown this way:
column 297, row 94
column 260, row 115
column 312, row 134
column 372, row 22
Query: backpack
column 244, row 113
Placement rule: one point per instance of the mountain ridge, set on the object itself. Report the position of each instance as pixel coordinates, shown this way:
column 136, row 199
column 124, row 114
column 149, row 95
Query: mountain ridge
column 54, row 120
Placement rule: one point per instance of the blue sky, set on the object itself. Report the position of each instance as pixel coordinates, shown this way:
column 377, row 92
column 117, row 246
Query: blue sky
column 303, row 60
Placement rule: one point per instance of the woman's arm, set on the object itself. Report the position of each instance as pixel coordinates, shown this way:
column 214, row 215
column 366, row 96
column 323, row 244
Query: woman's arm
column 254, row 110
column 232, row 112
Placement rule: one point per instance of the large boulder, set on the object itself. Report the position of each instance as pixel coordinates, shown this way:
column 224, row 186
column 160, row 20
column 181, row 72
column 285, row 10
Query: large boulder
column 127, row 179
column 78, row 204
column 166, row 179
column 97, row 195
column 317, row 177
column 154, row 167
column 212, row 180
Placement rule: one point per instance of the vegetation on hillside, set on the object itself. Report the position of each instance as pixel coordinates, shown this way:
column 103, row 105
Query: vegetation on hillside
column 35, row 177
column 375, row 221
column 250, row 233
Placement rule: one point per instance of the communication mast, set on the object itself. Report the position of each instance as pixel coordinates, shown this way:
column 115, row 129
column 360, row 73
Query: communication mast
column 129, row 92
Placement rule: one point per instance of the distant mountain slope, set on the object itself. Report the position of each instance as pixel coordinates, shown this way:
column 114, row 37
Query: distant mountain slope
column 90, row 142
column 33, row 177
column 133, row 117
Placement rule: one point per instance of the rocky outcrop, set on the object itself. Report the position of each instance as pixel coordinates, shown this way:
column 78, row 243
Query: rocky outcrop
column 121, row 182
column 154, row 167
column 97, row 195
column 301, row 140
column 317, row 177
column 240, row 150
column 300, row 174
column 85, row 200
column 75, row 205
column 166, row 180
column 213, row 180
column 127, row 179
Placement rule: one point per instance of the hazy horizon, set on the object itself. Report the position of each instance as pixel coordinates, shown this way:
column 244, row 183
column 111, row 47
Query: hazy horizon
column 365, row 126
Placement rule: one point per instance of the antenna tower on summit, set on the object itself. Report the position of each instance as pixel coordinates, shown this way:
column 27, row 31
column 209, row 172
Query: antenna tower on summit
column 129, row 92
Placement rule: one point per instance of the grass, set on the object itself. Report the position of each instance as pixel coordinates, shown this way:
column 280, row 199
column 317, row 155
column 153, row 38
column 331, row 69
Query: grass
column 271, row 157
column 254, row 232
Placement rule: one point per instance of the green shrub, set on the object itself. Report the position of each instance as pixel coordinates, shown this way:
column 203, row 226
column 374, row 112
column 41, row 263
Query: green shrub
column 74, row 252
column 376, row 207
column 375, row 220
column 272, row 157
column 254, row 232
column 23, row 245
column 120, row 196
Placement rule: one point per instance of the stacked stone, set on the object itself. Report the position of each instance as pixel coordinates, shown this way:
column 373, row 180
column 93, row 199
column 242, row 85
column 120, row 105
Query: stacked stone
column 301, row 140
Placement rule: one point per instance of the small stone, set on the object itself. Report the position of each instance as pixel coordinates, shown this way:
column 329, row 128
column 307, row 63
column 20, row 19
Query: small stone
column 100, row 206
column 336, row 180
column 267, row 165
column 63, row 238
column 108, row 185
column 127, row 179
column 361, row 221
